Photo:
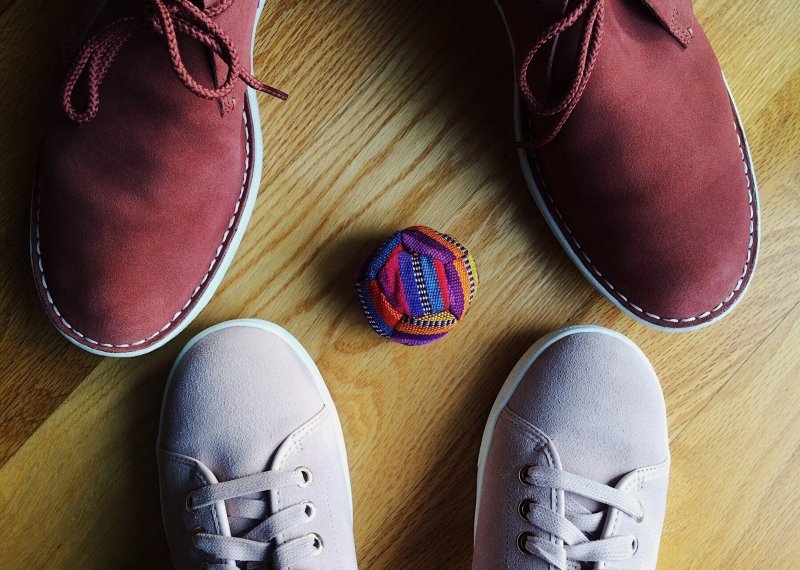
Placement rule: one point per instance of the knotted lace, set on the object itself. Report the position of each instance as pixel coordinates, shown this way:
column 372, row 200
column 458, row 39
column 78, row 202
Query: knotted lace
column 572, row 528
column 559, row 111
column 167, row 18
column 256, row 545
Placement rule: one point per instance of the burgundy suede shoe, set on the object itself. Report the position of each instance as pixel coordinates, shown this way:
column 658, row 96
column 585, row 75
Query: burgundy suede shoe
column 635, row 154
column 149, row 168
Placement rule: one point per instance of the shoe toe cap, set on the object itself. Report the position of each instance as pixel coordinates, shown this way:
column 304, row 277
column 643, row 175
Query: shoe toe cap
column 680, row 265
column 684, row 285
column 124, row 283
column 234, row 397
column 597, row 397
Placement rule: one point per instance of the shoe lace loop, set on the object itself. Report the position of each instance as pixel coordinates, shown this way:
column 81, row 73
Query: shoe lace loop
column 589, row 47
column 572, row 528
column 167, row 18
column 257, row 544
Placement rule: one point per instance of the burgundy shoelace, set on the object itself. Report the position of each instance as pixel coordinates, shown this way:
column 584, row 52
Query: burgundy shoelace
column 166, row 17
column 590, row 44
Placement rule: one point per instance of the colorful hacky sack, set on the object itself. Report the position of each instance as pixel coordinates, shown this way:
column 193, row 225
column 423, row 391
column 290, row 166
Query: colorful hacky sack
column 417, row 286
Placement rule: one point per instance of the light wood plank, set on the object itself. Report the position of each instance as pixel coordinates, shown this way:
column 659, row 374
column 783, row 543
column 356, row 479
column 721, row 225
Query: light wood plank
column 400, row 113
column 737, row 465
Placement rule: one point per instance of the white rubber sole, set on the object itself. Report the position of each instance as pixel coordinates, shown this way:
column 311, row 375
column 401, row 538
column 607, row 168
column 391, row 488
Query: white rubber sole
column 513, row 381
column 236, row 239
column 305, row 358
column 565, row 244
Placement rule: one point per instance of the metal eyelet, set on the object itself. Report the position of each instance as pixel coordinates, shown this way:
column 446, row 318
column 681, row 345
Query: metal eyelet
column 311, row 510
column 195, row 531
column 523, row 474
column 308, row 476
column 318, row 544
column 525, row 507
column 641, row 518
column 522, row 539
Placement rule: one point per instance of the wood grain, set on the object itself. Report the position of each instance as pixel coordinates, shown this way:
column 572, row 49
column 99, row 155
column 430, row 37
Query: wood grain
column 400, row 114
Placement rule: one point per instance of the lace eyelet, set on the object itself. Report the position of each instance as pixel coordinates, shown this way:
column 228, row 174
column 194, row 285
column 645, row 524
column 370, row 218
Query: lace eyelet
column 195, row 531
column 311, row 510
column 523, row 474
column 318, row 544
column 189, row 508
column 522, row 539
column 525, row 508
column 641, row 518
column 307, row 476
column 634, row 546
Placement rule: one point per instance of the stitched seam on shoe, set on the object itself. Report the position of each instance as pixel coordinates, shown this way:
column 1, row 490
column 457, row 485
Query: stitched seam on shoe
column 296, row 438
column 196, row 472
column 675, row 27
column 643, row 475
column 543, row 442
column 624, row 298
column 529, row 429
column 228, row 233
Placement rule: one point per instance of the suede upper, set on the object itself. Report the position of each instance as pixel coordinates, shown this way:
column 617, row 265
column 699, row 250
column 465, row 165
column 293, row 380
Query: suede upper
column 589, row 405
column 134, row 210
column 649, row 181
column 241, row 401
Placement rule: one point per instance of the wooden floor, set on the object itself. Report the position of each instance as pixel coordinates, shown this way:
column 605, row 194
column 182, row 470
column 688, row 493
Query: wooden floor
column 400, row 114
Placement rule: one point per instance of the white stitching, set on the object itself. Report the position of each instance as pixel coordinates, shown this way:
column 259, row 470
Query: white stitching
column 751, row 241
column 197, row 289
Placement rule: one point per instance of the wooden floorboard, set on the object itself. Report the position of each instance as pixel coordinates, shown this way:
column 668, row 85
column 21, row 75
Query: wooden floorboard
column 400, row 113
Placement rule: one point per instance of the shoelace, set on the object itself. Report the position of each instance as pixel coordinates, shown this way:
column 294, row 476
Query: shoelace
column 255, row 545
column 572, row 528
column 167, row 18
column 590, row 44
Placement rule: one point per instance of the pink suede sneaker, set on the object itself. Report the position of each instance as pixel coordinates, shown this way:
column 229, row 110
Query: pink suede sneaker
column 574, row 462
column 149, row 168
column 251, row 456
column 635, row 154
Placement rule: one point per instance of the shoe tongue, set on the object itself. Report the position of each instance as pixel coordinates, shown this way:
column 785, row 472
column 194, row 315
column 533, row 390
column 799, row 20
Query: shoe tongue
column 79, row 20
column 239, row 525
column 86, row 17
column 241, row 459
column 230, row 469
column 243, row 448
column 577, row 504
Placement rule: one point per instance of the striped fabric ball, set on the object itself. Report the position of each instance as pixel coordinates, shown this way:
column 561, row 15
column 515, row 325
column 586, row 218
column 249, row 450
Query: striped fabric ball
column 417, row 286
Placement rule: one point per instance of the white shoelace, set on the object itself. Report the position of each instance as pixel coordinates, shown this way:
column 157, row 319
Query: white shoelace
column 572, row 528
column 254, row 545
